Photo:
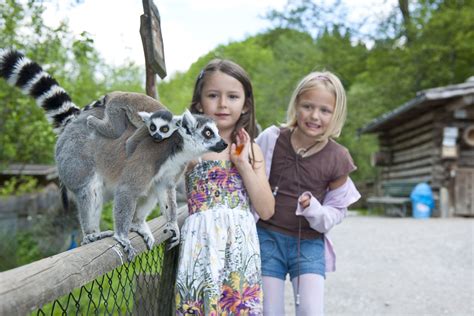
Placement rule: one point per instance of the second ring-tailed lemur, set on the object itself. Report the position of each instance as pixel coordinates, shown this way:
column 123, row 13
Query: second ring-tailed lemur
column 90, row 165
column 147, row 118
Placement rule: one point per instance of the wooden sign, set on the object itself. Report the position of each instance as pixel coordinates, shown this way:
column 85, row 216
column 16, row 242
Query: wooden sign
column 150, row 31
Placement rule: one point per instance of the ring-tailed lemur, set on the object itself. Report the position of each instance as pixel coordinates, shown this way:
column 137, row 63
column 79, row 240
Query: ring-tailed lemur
column 91, row 165
column 160, row 124
column 117, row 116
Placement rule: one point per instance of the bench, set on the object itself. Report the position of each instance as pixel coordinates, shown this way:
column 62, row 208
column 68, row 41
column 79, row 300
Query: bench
column 396, row 199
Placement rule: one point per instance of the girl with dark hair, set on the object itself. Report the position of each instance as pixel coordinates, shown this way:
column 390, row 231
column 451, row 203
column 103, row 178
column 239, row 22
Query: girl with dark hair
column 219, row 263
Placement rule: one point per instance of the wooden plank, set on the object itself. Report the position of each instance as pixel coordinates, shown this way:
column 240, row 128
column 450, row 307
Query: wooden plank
column 460, row 103
column 388, row 199
column 421, row 120
column 29, row 287
column 413, row 141
column 391, row 205
column 416, row 172
column 427, row 178
column 152, row 39
column 466, row 158
column 29, row 170
column 398, row 188
column 167, row 296
column 428, row 161
column 428, row 128
column 464, row 192
column 466, row 162
column 410, row 172
column 389, row 139
column 423, row 151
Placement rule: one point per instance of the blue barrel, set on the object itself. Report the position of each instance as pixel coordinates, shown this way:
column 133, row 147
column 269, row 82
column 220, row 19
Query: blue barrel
column 422, row 200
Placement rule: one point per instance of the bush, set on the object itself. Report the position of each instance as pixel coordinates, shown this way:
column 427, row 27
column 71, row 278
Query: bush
column 19, row 186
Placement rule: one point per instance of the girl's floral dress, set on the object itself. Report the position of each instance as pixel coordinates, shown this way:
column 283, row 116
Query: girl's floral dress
column 219, row 262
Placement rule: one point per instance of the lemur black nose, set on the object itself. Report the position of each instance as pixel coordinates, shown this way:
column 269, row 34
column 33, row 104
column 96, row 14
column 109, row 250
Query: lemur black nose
column 220, row 146
column 157, row 137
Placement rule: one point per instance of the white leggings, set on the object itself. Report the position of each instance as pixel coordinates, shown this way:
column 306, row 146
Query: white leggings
column 311, row 295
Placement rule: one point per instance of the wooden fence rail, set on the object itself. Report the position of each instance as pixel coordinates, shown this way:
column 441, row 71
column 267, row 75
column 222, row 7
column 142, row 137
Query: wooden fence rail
column 29, row 287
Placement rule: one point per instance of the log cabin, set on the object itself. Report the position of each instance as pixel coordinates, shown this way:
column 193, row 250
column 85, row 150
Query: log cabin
column 428, row 139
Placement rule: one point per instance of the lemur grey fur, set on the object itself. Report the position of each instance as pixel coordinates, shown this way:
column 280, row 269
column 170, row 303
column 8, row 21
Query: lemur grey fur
column 91, row 165
column 160, row 124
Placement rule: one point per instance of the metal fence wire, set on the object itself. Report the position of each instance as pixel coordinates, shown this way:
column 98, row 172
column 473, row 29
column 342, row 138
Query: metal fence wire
column 129, row 289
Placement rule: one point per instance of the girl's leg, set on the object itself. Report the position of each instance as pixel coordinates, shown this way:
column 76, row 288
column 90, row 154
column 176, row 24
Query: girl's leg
column 273, row 296
column 311, row 291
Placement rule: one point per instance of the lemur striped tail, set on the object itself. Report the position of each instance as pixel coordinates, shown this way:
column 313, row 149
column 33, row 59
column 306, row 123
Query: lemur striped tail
column 27, row 75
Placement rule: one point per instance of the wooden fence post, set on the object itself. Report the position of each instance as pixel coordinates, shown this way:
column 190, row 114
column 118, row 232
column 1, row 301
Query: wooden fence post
column 150, row 32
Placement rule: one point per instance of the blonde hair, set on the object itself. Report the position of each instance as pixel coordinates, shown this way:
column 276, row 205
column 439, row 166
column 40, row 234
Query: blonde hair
column 331, row 83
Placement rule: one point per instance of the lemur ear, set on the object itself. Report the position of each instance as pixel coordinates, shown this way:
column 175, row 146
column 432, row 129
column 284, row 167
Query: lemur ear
column 144, row 115
column 189, row 120
column 177, row 120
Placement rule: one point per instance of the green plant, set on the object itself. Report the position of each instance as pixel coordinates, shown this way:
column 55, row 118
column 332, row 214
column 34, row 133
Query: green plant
column 19, row 185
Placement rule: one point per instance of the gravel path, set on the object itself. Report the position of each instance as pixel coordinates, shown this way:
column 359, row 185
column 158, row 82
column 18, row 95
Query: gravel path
column 400, row 266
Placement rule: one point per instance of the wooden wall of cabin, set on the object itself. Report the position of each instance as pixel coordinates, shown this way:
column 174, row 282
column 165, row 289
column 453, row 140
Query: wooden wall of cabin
column 460, row 170
column 412, row 153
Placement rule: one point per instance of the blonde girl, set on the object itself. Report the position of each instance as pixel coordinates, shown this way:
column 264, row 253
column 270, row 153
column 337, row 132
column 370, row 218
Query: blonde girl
column 308, row 172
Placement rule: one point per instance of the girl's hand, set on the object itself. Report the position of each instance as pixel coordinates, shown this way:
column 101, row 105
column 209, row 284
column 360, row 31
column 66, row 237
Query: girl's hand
column 304, row 200
column 239, row 152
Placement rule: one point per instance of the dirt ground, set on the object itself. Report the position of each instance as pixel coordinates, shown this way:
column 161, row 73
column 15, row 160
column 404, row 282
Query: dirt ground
column 400, row 266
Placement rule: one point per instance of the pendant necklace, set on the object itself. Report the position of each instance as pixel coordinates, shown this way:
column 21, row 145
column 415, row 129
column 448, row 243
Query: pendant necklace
column 299, row 152
column 303, row 151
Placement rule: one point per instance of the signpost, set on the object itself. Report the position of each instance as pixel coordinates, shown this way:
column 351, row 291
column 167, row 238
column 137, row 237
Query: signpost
column 150, row 32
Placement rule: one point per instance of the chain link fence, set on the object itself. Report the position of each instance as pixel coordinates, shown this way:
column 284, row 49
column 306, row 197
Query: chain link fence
column 95, row 279
column 130, row 289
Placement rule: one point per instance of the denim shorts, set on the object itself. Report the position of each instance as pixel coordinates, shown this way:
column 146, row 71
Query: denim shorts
column 279, row 253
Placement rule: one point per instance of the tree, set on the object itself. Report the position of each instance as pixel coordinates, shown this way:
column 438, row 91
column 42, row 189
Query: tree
column 25, row 135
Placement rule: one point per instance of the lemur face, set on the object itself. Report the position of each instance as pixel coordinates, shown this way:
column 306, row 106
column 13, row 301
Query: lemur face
column 160, row 124
column 202, row 133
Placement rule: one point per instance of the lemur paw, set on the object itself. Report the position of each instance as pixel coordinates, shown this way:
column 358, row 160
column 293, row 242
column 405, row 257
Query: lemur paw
column 175, row 234
column 144, row 231
column 96, row 236
column 127, row 247
column 91, row 121
column 149, row 241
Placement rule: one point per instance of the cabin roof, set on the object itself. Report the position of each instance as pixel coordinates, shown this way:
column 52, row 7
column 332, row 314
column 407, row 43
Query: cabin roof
column 425, row 101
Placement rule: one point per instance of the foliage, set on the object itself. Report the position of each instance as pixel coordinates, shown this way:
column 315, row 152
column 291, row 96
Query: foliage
column 21, row 249
column 25, row 134
column 18, row 186
column 429, row 45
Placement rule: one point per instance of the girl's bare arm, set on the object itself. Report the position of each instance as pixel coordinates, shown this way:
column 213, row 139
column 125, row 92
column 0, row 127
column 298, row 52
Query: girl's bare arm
column 253, row 175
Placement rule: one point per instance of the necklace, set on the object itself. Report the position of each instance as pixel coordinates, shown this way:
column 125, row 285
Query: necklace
column 303, row 151
column 300, row 152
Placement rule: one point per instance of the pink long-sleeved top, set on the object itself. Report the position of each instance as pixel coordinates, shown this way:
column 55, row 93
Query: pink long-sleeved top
column 321, row 217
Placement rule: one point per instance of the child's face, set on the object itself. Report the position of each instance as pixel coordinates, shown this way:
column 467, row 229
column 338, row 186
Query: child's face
column 314, row 111
column 223, row 99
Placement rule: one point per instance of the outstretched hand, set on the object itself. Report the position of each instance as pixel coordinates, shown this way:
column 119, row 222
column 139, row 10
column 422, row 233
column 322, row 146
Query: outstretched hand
column 239, row 151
